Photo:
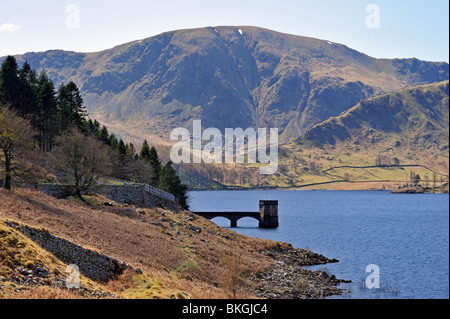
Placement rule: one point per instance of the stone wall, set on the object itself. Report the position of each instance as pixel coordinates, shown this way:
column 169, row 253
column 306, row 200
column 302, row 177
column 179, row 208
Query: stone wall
column 90, row 263
column 129, row 193
column 57, row 191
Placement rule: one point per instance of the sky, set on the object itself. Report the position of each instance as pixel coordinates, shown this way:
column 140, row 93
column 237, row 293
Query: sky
column 379, row 28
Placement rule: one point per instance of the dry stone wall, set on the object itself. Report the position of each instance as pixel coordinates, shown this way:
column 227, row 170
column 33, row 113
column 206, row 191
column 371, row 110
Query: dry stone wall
column 129, row 193
column 90, row 263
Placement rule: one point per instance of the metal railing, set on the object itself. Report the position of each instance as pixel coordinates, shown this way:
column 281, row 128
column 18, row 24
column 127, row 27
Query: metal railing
column 157, row 192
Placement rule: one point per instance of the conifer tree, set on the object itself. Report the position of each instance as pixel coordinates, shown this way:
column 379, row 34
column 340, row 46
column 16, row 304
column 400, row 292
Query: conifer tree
column 71, row 111
column 151, row 157
column 113, row 142
column 104, row 135
column 170, row 182
column 15, row 89
column 145, row 151
column 122, row 148
column 47, row 115
column 9, row 82
column 155, row 162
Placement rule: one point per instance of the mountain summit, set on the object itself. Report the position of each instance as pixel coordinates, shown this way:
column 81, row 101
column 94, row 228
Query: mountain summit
column 228, row 77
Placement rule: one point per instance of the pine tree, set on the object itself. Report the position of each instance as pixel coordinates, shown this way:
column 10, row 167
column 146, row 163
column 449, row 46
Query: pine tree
column 15, row 89
column 155, row 162
column 9, row 82
column 47, row 115
column 145, row 151
column 71, row 111
column 122, row 148
column 104, row 135
column 170, row 182
column 112, row 141
column 96, row 127
column 27, row 103
column 151, row 157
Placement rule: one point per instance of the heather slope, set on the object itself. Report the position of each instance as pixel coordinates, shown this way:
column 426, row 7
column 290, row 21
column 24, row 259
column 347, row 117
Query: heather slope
column 180, row 254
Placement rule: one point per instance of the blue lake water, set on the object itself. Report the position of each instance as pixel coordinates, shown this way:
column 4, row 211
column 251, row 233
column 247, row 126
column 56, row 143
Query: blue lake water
column 406, row 236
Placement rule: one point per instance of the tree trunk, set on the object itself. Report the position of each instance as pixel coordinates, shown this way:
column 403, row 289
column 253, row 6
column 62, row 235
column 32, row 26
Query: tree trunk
column 78, row 194
column 8, row 172
column 8, row 181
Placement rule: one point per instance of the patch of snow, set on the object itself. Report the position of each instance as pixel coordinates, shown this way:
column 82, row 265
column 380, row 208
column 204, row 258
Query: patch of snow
column 215, row 30
column 330, row 42
column 240, row 31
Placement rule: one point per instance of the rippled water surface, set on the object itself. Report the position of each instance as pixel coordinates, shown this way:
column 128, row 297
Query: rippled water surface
column 405, row 235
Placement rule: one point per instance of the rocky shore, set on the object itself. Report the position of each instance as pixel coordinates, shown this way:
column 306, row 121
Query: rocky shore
column 288, row 280
column 409, row 190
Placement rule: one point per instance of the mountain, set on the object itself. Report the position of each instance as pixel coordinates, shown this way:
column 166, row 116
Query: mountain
column 414, row 116
column 228, row 77
column 375, row 144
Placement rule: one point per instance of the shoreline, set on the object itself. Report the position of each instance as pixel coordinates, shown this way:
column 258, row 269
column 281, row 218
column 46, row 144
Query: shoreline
column 310, row 189
column 287, row 279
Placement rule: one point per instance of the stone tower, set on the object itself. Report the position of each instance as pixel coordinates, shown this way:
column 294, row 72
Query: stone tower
column 268, row 210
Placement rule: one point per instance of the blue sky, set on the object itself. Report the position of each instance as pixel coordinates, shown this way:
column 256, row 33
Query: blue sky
column 406, row 28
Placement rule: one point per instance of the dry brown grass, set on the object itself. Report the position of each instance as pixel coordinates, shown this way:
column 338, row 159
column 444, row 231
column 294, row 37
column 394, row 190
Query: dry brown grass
column 122, row 282
column 42, row 293
column 232, row 279
column 172, row 250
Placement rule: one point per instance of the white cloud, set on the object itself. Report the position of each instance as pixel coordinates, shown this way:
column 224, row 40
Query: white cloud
column 9, row 27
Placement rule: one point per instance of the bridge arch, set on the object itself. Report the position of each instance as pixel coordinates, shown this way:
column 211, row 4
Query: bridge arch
column 249, row 222
column 232, row 217
column 267, row 215
column 221, row 221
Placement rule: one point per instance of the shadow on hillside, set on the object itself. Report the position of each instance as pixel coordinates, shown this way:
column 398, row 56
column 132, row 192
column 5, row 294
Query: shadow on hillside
column 42, row 206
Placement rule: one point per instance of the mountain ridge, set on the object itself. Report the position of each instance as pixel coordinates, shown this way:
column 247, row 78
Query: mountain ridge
column 429, row 101
column 228, row 77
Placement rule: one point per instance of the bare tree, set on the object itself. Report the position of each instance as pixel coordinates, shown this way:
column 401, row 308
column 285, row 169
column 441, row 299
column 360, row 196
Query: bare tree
column 16, row 144
column 232, row 279
column 83, row 159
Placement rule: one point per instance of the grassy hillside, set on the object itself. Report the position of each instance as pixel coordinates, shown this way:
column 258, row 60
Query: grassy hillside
column 180, row 255
column 373, row 145
column 418, row 116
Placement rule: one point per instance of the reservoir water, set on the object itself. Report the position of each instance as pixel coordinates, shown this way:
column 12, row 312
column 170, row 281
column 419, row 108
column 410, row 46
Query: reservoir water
column 406, row 236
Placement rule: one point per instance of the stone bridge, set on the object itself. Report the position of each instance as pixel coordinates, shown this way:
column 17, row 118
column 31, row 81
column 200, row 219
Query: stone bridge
column 267, row 215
